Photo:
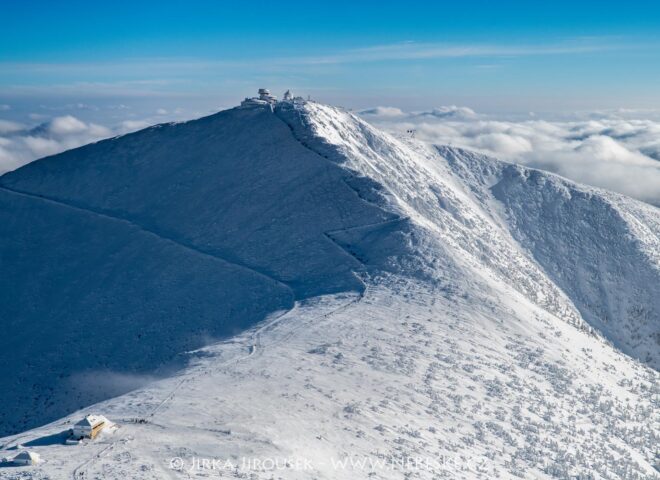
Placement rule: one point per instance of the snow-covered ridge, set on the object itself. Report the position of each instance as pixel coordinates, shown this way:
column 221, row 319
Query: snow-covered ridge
column 588, row 256
column 364, row 296
column 120, row 255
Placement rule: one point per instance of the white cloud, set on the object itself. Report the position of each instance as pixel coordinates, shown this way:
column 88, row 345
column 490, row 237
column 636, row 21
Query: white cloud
column 429, row 51
column 618, row 150
column 613, row 150
column 168, row 69
column 383, row 112
column 20, row 145
column 66, row 125
column 451, row 111
column 48, row 132
column 10, row 127
column 40, row 147
column 128, row 126
column 503, row 142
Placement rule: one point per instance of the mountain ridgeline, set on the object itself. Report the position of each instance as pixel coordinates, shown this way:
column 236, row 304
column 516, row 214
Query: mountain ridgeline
column 120, row 256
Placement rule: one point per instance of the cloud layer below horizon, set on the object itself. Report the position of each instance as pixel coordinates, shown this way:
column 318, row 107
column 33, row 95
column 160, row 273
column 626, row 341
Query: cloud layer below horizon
column 618, row 151
column 21, row 144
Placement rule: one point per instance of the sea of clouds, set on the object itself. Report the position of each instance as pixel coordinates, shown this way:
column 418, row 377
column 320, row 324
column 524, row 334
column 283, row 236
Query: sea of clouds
column 21, row 143
column 616, row 150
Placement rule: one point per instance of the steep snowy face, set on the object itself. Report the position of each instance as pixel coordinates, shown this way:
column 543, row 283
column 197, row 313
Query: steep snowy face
column 585, row 255
column 118, row 256
column 600, row 248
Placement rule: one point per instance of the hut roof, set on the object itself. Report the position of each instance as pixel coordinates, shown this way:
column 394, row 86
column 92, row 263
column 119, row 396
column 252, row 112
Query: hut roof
column 27, row 455
column 91, row 420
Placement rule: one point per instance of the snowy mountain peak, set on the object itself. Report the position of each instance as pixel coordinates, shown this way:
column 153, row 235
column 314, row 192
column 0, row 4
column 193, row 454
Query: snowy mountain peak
column 362, row 294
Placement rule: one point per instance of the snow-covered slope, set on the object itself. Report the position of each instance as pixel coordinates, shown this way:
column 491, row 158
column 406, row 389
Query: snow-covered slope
column 588, row 256
column 119, row 255
column 410, row 310
column 600, row 248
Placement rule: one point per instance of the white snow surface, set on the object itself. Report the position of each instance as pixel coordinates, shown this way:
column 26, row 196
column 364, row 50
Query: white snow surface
column 408, row 311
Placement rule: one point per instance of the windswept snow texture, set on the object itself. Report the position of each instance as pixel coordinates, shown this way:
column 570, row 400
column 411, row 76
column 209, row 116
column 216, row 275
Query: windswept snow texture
column 588, row 256
column 427, row 303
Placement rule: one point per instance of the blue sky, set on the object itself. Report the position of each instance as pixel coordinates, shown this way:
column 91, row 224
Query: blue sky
column 98, row 58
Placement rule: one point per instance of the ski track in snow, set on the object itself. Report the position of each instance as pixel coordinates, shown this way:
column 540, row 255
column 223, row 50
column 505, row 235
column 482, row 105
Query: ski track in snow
column 254, row 339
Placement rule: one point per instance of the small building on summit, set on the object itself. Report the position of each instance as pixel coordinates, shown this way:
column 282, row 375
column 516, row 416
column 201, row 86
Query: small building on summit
column 289, row 98
column 265, row 95
column 26, row 458
column 264, row 98
column 90, row 426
